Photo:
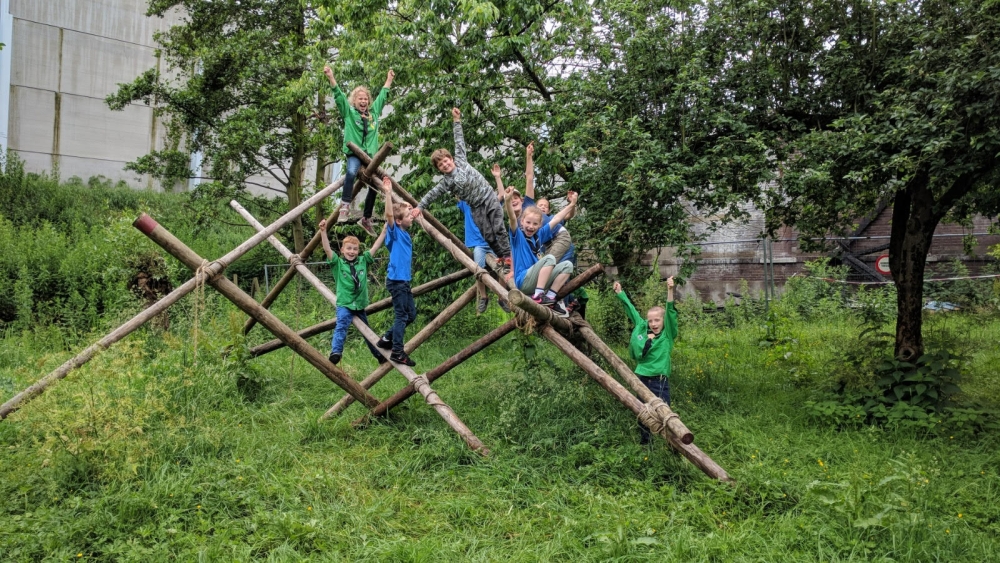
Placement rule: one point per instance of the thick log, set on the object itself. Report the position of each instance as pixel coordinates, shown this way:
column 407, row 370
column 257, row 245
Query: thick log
column 155, row 309
column 422, row 385
column 663, row 412
column 375, row 177
column 385, row 406
column 179, row 250
column 418, row 339
column 690, row 451
column 289, row 274
column 541, row 313
column 375, row 307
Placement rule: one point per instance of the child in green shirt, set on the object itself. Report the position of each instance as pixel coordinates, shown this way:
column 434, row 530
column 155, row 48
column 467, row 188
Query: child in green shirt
column 351, row 273
column 650, row 345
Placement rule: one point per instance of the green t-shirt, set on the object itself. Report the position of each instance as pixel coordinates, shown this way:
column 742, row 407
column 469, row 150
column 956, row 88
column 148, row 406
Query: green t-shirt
column 352, row 280
column 356, row 131
column 656, row 360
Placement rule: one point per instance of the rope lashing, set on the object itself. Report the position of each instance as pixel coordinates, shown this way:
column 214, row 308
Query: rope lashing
column 525, row 322
column 419, row 381
column 295, row 260
column 201, row 274
column 432, row 397
column 654, row 418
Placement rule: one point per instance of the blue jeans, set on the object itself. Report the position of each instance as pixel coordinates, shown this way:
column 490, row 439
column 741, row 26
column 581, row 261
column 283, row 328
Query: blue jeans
column 660, row 386
column 353, row 165
column 405, row 310
column 479, row 255
column 344, row 318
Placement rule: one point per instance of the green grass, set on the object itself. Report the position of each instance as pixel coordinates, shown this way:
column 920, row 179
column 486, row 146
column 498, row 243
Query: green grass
column 144, row 455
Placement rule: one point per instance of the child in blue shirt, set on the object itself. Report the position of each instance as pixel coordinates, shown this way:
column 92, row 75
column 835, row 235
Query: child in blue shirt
column 398, row 219
column 539, row 277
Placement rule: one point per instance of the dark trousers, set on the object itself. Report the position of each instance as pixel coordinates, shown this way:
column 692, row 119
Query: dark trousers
column 344, row 318
column 353, row 165
column 489, row 219
column 405, row 310
column 660, row 386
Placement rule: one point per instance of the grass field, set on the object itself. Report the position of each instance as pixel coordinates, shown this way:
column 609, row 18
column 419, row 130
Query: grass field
column 148, row 453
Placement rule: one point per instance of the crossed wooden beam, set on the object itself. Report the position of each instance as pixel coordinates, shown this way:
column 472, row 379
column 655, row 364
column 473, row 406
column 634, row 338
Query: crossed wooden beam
column 649, row 409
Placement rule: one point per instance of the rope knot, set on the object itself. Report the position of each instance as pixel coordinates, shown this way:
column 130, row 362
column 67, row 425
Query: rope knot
column 655, row 415
column 419, row 381
column 295, row 260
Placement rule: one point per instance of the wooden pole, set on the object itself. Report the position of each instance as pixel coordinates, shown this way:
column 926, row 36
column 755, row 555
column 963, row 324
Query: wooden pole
column 406, row 392
column 275, row 291
column 155, row 309
column 421, row 383
column 666, row 415
column 179, row 250
column 375, row 176
column 690, row 451
column 541, row 313
column 375, row 307
column 418, row 339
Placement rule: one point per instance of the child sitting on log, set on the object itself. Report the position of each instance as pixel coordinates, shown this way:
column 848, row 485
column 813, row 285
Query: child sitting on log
column 650, row 345
column 351, row 273
column 398, row 218
column 361, row 122
column 539, row 277
column 467, row 184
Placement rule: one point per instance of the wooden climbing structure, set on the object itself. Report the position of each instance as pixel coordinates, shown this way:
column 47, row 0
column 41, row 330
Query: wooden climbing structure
column 529, row 316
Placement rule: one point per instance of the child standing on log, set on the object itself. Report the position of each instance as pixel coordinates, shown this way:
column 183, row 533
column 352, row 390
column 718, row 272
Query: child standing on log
column 539, row 277
column 361, row 120
column 351, row 273
column 650, row 345
column 398, row 218
column 467, row 184
column 475, row 242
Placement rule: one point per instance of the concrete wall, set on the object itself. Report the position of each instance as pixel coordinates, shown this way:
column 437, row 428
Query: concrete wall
column 66, row 56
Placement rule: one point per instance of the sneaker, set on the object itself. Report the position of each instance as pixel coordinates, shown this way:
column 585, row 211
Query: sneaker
column 504, row 305
column 381, row 359
column 402, row 358
column 482, row 304
column 334, row 358
column 540, row 299
column 384, row 343
column 556, row 306
column 366, row 224
column 343, row 217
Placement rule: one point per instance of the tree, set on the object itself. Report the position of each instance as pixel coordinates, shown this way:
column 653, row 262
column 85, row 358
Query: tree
column 241, row 86
column 857, row 103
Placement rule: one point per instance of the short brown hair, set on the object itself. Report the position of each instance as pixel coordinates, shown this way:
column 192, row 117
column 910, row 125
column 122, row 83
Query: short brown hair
column 438, row 155
column 656, row 308
column 350, row 240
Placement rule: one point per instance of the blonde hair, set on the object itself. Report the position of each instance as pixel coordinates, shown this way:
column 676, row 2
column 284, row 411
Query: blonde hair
column 399, row 208
column 532, row 210
column 656, row 308
column 350, row 240
column 352, row 98
column 438, row 155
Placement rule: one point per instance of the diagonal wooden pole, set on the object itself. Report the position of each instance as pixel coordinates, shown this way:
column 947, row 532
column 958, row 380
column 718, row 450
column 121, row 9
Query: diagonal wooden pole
column 471, row 350
column 380, row 305
column 231, row 291
column 135, row 322
column 419, row 338
column 420, row 382
column 498, row 333
column 310, row 247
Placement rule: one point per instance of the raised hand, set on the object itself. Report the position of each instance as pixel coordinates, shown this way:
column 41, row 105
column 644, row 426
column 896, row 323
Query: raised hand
column 389, row 76
column 322, row 225
column 618, row 287
column 530, row 149
column 572, row 197
column 495, row 170
column 387, row 187
column 456, row 114
column 329, row 74
column 670, row 282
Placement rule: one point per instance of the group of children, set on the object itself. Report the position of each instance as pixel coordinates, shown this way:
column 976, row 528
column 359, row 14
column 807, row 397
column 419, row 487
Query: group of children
column 537, row 252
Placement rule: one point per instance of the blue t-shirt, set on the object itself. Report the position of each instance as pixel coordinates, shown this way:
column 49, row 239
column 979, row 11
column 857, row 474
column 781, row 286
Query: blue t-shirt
column 473, row 237
column 400, row 247
column 524, row 250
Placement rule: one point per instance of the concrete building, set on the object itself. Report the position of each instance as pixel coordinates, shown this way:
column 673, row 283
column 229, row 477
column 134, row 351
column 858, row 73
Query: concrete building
column 61, row 59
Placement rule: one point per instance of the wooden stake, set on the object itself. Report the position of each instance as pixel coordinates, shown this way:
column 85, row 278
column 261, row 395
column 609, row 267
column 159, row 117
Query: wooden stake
column 422, row 385
column 155, row 309
column 380, row 305
column 418, row 339
column 179, row 250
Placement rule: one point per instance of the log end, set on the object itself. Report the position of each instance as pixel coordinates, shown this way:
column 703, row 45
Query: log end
column 145, row 224
column 687, row 438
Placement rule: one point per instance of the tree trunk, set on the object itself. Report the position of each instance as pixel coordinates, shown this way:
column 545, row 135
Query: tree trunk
column 913, row 225
column 295, row 177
